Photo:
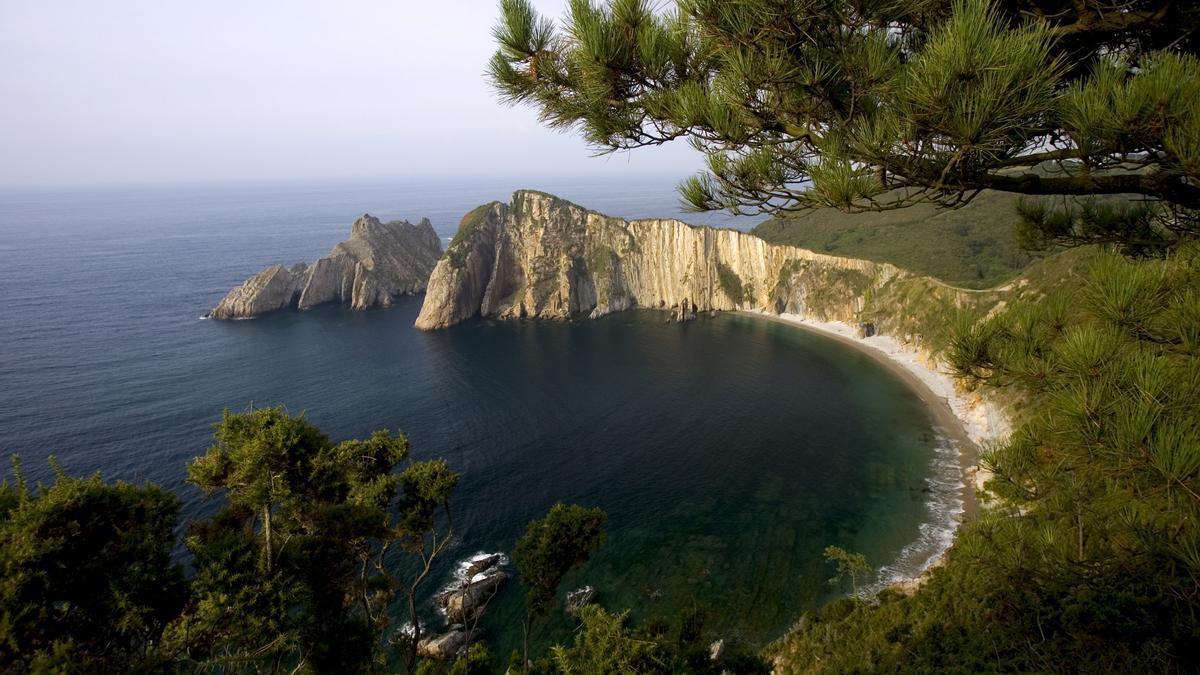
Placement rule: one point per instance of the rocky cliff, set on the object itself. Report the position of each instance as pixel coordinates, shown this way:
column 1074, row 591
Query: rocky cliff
column 377, row 264
column 543, row 257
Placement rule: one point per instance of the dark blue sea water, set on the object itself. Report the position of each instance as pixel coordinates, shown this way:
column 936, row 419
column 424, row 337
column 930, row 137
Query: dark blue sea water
column 728, row 452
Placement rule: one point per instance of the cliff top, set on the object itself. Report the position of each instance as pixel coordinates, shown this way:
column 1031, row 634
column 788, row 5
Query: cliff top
column 367, row 224
column 529, row 193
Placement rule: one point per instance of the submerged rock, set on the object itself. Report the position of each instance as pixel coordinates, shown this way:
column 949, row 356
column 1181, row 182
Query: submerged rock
column 377, row 264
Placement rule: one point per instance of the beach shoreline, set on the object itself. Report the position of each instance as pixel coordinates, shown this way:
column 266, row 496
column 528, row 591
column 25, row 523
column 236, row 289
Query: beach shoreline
column 968, row 421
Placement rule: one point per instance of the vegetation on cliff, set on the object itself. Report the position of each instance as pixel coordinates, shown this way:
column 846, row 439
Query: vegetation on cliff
column 1090, row 563
column 731, row 283
column 974, row 246
column 551, row 547
column 460, row 244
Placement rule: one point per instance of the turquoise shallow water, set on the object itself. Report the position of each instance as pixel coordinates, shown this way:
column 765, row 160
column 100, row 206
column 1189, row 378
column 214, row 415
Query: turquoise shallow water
column 728, row 452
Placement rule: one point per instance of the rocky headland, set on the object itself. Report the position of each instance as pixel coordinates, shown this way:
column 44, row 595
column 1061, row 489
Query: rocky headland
column 377, row 264
column 542, row 257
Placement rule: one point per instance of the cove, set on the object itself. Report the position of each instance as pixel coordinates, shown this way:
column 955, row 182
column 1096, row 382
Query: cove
column 728, row 452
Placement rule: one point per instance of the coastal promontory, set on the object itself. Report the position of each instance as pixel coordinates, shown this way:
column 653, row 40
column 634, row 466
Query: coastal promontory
column 377, row 264
column 543, row 257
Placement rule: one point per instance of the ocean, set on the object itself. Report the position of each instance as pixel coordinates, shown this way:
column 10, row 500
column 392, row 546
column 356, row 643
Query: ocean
column 728, row 452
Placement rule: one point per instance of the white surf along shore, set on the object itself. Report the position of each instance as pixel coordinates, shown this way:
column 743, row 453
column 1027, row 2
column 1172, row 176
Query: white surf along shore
column 964, row 422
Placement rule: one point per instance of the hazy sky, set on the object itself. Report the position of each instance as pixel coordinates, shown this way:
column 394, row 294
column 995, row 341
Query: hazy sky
column 177, row 90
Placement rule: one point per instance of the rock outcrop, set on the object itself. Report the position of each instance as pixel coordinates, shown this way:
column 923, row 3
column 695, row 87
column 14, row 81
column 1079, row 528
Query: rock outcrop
column 377, row 264
column 578, row 599
column 447, row 645
column 543, row 257
column 469, row 601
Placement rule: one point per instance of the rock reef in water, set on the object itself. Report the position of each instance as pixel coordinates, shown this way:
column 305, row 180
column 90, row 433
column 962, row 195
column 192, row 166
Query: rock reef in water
column 543, row 257
column 448, row 645
column 377, row 264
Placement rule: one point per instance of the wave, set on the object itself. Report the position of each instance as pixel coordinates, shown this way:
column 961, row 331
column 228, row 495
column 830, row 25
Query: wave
column 944, row 508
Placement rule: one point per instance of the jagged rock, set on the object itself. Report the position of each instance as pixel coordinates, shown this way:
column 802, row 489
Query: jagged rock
column 480, row 564
column 543, row 257
column 866, row 330
column 447, row 645
column 272, row 289
column 580, row 598
column 466, row 603
column 377, row 264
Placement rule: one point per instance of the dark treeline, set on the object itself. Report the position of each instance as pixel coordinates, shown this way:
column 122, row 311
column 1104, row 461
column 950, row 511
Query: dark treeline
column 314, row 562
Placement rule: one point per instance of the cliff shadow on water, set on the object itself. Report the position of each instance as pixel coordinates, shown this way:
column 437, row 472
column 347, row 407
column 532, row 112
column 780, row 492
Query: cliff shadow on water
column 728, row 452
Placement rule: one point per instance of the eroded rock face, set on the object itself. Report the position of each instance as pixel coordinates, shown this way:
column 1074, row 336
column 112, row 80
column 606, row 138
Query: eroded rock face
column 544, row 257
column 447, row 645
column 468, row 602
column 377, row 264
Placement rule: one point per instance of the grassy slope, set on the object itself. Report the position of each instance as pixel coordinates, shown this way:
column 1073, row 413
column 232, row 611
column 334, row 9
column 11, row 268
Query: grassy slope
column 973, row 247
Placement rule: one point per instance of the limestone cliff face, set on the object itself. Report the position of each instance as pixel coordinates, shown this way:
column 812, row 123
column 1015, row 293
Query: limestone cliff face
column 377, row 264
column 544, row 257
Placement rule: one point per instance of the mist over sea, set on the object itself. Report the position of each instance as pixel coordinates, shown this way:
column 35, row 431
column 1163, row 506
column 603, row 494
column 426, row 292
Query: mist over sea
column 728, row 451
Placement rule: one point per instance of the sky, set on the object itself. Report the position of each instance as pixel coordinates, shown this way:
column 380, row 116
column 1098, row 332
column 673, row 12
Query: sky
column 141, row 91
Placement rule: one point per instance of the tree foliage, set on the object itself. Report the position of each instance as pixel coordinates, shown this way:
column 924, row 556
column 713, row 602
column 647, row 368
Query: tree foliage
column 852, row 566
column 608, row 642
column 552, row 546
column 296, row 568
column 1090, row 560
column 878, row 104
column 87, row 582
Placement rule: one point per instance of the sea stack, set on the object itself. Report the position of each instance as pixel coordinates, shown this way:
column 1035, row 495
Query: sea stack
column 377, row 264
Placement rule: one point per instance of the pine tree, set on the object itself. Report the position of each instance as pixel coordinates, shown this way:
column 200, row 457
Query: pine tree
column 300, row 567
column 87, row 581
column 881, row 104
column 552, row 546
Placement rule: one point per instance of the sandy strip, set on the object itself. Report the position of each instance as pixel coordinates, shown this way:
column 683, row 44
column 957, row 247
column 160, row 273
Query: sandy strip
column 968, row 421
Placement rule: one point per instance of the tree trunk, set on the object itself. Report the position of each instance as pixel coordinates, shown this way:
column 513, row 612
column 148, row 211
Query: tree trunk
column 525, row 626
column 1079, row 519
column 267, row 535
column 411, row 656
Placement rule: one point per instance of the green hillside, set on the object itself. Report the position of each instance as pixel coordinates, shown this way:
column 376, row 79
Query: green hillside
column 974, row 246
